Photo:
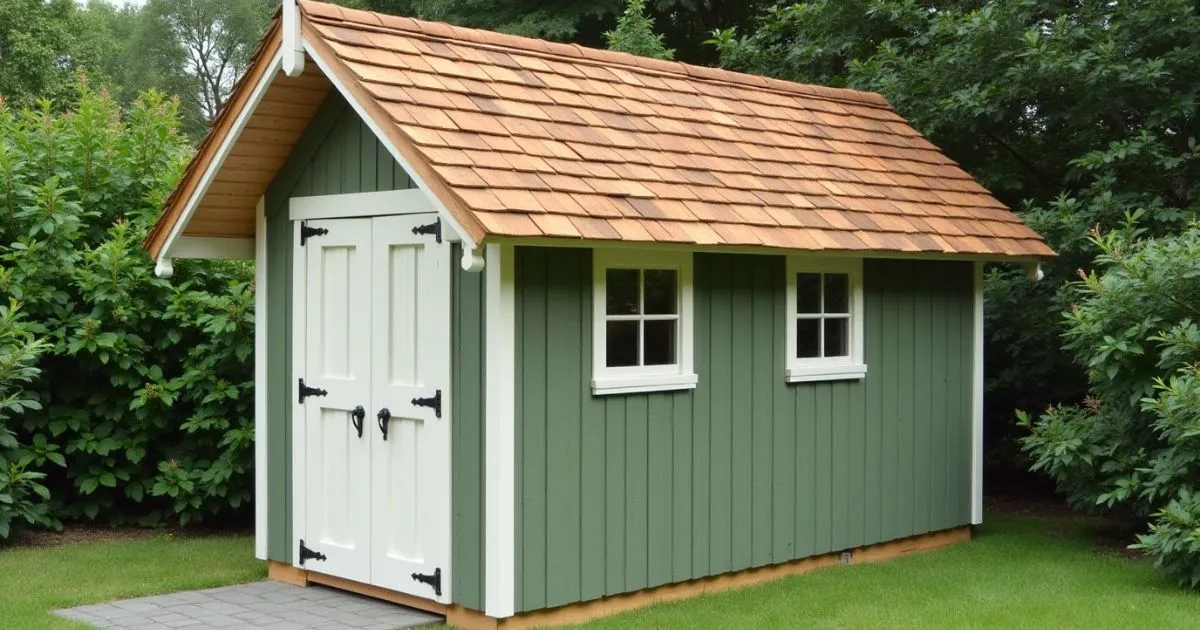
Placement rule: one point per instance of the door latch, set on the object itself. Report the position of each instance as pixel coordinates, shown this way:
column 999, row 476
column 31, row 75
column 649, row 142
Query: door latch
column 356, row 418
column 383, row 417
column 434, row 402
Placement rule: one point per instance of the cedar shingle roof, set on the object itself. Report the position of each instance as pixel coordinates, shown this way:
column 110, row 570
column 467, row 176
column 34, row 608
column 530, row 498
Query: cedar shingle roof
column 526, row 138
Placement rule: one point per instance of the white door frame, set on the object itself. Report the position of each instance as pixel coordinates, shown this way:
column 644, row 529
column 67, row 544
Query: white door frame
column 384, row 203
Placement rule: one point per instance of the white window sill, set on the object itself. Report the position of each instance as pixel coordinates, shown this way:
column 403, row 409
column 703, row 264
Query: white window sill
column 641, row 384
column 812, row 373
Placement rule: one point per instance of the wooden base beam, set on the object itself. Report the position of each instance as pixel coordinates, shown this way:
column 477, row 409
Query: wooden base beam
column 581, row 612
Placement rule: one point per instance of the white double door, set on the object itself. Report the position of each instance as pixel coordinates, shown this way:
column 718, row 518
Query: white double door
column 372, row 331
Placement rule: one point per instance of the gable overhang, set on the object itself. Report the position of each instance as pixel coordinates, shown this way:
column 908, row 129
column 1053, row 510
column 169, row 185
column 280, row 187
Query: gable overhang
column 191, row 226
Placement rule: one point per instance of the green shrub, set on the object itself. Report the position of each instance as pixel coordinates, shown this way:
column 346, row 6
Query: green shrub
column 23, row 499
column 146, row 388
column 1134, row 445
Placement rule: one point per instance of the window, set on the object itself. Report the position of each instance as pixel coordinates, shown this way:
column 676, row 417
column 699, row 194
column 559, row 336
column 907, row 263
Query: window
column 642, row 338
column 824, row 320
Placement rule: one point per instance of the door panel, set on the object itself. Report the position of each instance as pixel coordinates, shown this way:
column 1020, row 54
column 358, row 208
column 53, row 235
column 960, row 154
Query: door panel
column 376, row 333
column 337, row 296
column 410, row 481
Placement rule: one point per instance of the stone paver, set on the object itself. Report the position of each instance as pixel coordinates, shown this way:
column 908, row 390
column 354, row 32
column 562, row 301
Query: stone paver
column 256, row 605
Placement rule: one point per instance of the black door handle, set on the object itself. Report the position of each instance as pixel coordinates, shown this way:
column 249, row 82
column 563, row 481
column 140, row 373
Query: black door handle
column 383, row 416
column 356, row 418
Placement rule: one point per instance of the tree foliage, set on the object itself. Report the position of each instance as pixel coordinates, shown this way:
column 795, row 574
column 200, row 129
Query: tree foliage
column 1134, row 444
column 683, row 23
column 23, row 497
column 146, row 389
column 635, row 34
column 1073, row 112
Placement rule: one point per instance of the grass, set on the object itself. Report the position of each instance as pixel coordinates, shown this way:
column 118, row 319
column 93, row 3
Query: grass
column 37, row 580
column 1020, row 572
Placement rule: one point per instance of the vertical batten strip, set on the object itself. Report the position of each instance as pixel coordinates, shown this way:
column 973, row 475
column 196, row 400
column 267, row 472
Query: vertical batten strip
column 500, row 450
column 977, row 403
column 260, row 381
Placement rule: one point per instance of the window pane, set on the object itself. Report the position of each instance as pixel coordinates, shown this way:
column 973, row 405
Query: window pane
column 622, row 291
column 660, row 342
column 837, row 337
column 621, row 344
column 808, row 293
column 660, row 292
column 808, row 338
column 837, row 293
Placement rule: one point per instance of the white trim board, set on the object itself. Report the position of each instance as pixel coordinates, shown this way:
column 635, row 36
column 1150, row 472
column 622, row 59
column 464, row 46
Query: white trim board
column 557, row 241
column 850, row 367
column 209, row 247
column 298, row 349
column 368, row 204
column 218, row 161
column 261, row 489
column 500, row 462
column 643, row 378
column 977, row 401
column 441, row 208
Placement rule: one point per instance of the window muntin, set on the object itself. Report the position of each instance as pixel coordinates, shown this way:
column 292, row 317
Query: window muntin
column 643, row 321
column 824, row 319
column 641, row 317
column 822, row 315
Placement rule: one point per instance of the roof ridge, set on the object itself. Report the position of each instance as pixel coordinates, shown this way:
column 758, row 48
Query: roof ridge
column 542, row 48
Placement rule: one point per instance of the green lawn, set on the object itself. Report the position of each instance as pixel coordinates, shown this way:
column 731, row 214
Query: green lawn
column 36, row 580
column 1020, row 572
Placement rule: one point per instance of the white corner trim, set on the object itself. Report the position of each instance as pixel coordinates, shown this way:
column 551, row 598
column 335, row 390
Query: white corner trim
column 441, row 208
column 846, row 372
column 500, row 457
column 218, row 160
column 977, row 402
column 293, row 47
column 367, row 204
column 234, row 248
column 261, row 491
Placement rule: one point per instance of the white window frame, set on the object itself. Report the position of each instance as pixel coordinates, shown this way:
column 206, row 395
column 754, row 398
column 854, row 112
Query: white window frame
column 642, row 378
column 850, row 367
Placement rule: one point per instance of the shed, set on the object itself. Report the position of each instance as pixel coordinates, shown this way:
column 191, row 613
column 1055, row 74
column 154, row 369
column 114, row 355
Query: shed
column 546, row 332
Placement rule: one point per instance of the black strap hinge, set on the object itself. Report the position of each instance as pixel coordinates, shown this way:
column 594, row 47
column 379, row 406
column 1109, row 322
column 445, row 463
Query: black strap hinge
column 306, row 391
column 434, row 402
column 434, row 228
column 434, row 580
column 309, row 554
column 307, row 232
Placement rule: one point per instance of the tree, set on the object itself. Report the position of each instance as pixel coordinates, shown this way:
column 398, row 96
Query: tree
column 209, row 41
column 635, row 34
column 1073, row 112
column 684, row 23
column 43, row 45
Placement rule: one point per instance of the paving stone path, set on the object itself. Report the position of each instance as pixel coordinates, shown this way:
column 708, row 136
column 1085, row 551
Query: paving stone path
column 271, row 605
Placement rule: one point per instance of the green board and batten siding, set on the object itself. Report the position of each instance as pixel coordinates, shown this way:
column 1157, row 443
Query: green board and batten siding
column 620, row 493
column 339, row 154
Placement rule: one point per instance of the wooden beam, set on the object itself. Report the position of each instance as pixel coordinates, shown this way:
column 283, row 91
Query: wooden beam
column 581, row 612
